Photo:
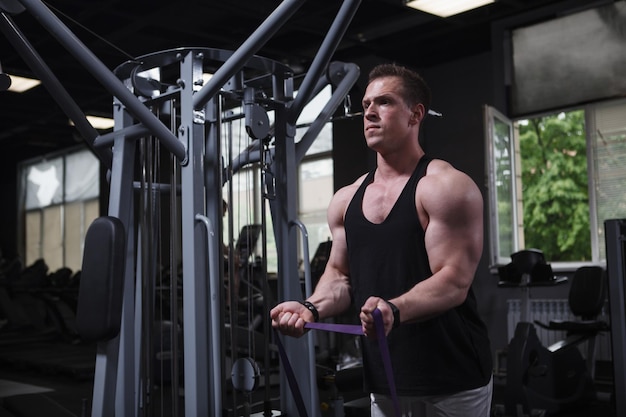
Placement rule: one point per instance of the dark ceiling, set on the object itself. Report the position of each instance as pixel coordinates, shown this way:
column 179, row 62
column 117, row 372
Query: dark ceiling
column 116, row 30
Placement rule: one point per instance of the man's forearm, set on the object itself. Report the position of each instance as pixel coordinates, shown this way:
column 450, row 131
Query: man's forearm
column 331, row 297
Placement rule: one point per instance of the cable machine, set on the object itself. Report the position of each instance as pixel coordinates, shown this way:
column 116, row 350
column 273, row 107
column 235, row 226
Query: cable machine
column 165, row 277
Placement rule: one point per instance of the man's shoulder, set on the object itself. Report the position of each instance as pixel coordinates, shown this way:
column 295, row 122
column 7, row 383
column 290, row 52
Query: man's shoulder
column 443, row 176
column 343, row 196
column 444, row 170
column 351, row 188
column 439, row 166
column 347, row 192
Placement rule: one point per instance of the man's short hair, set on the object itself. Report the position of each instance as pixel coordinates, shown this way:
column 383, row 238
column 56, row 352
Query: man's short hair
column 415, row 89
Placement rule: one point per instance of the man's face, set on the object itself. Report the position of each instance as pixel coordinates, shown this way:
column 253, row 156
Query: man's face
column 387, row 120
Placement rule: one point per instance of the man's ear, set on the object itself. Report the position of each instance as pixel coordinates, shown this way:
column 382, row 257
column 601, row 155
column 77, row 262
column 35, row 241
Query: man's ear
column 418, row 111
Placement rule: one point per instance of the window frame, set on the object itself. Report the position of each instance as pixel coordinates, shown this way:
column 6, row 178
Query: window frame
column 66, row 259
column 490, row 116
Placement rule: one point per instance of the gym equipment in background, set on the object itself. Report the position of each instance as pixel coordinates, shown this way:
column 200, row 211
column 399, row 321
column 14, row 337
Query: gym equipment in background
column 551, row 379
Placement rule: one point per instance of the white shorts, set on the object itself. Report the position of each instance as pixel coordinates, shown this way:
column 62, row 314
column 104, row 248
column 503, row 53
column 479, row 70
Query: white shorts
column 470, row 403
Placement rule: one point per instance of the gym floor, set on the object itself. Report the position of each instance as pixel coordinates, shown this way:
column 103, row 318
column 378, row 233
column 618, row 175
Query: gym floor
column 55, row 378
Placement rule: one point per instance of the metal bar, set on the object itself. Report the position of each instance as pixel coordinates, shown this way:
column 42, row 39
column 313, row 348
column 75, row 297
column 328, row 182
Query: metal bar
column 350, row 74
column 113, row 380
column 131, row 132
column 238, row 59
column 283, row 207
column 174, row 259
column 194, row 250
column 212, row 165
column 322, row 58
column 214, row 308
column 267, row 404
column 129, row 377
column 126, row 397
column 54, row 87
column 308, row 289
column 615, row 231
column 104, row 75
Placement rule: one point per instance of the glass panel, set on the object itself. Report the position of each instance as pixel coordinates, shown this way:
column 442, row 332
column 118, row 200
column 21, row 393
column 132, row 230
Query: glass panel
column 92, row 211
column 555, row 186
column 323, row 142
column 310, row 112
column 317, row 228
column 608, row 145
column 52, row 239
column 272, row 253
column 73, row 235
column 33, row 236
column 316, row 191
column 44, row 183
column 502, row 197
column 316, row 185
column 243, row 204
column 82, row 176
column 543, row 53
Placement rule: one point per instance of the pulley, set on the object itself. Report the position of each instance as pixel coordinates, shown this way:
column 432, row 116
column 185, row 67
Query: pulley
column 245, row 375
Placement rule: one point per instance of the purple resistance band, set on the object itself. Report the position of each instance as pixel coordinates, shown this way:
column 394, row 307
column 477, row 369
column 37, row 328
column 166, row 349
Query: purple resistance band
column 354, row 329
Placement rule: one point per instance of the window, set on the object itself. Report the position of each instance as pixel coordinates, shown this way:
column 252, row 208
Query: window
column 554, row 179
column 59, row 201
column 315, row 185
column 315, row 180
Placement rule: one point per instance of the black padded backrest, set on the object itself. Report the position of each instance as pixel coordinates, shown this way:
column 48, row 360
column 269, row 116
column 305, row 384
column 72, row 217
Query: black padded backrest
column 99, row 310
column 527, row 259
column 588, row 292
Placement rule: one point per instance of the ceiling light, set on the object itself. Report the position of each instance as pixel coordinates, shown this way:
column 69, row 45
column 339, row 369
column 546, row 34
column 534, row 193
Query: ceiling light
column 98, row 122
column 101, row 122
column 445, row 8
column 21, row 84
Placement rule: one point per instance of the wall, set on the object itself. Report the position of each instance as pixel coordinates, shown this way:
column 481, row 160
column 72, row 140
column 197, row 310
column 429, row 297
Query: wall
column 8, row 214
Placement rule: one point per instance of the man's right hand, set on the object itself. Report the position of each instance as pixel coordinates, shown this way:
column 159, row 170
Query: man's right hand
column 289, row 318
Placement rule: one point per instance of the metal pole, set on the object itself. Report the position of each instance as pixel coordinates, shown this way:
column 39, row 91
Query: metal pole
column 308, row 290
column 238, row 59
column 194, row 252
column 53, row 85
column 350, row 74
column 114, row 380
column 104, row 75
column 322, row 58
column 615, row 230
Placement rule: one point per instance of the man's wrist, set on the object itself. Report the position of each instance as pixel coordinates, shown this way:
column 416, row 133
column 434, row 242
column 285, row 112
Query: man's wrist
column 312, row 309
column 396, row 313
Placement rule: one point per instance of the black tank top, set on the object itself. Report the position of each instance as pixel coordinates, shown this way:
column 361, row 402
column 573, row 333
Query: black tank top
column 443, row 355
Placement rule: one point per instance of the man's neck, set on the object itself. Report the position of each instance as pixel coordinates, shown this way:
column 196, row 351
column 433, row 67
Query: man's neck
column 397, row 165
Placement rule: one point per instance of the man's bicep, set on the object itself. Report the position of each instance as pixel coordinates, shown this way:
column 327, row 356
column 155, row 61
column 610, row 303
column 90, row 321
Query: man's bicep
column 454, row 236
column 338, row 259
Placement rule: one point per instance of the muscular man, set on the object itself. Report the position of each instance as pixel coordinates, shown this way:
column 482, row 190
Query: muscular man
column 407, row 239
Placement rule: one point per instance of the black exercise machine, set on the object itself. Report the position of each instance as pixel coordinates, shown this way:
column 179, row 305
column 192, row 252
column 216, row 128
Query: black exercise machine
column 550, row 379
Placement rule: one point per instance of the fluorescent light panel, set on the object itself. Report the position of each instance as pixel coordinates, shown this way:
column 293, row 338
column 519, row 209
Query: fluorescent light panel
column 101, row 122
column 98, row 122
column 445, row 8
column 21, row 84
